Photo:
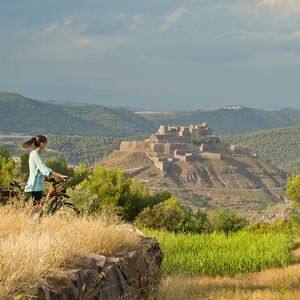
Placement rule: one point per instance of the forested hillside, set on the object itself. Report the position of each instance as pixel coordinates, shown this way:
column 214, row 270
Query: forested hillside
column 230, row 121
column 81, row 149
column 281, row 146
column 75, row 149
column 20, row 114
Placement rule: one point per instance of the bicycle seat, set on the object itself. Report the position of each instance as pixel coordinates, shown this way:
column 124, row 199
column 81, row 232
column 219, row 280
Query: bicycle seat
column 18, row 184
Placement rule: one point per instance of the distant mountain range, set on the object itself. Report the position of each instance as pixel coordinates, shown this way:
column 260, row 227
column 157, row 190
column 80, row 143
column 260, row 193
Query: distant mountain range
column 21, row 114
column 230, row 119
column 25, row 115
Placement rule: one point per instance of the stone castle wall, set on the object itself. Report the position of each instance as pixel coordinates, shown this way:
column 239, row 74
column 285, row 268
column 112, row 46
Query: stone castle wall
column 169, row 148
column 210, row 155
column 213, row 147
column 134, row 146
column 183, row 156
column 239, row 149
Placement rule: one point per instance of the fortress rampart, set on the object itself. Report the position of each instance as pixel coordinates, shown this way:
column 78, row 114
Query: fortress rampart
column 134, row 146
column 181, row 143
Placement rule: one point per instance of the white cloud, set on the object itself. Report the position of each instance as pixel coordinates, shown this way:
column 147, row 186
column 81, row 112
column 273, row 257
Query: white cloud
column 63, row 41
column 58, row 26
column 280, row 8
column 137, row 20
column 120, row 16
column 295, row 35
column 267, row 2
column 67, row 21
column 174, row 16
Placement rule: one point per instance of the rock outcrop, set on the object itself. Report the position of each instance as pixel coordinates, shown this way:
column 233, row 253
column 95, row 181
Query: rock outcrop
column 135, row 275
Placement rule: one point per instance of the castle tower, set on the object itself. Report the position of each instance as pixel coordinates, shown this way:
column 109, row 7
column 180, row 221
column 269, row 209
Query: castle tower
column 162, row 129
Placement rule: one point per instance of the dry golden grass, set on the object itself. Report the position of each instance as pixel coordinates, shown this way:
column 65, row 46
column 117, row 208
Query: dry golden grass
column 32, row 249
column 281, row 283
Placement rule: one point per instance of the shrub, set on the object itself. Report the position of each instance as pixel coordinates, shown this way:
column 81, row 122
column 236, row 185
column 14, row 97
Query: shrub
column 24, row 168
column 3, row 152
column 167, row 215
column 293, row 188
column 290, row 226
column 170, row 215
column 226, row 221
column 59, row 165
column 8, row 168
column 80, row 174
column 111, row 190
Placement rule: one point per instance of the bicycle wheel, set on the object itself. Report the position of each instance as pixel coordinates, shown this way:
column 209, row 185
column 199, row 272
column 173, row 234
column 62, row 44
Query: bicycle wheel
column 67, row 209
column 8, row 194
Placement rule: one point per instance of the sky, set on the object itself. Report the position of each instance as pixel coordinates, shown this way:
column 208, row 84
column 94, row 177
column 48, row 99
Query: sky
column 158, row 54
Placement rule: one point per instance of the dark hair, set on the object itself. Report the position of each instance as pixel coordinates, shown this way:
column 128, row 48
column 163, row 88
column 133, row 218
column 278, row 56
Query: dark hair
column 36, row 141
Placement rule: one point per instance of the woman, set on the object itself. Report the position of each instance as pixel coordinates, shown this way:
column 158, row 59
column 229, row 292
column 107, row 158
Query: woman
column 37, row 169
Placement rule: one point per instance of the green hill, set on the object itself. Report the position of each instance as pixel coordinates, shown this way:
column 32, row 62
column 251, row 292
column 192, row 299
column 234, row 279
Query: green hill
column 230, row 120
column 75, row 149
column 237, row 181
column 24, row 115
column 281, row 147
column 21, row 114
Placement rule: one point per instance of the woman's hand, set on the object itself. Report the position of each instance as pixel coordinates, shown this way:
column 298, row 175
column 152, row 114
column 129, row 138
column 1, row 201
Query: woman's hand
column 63, row 177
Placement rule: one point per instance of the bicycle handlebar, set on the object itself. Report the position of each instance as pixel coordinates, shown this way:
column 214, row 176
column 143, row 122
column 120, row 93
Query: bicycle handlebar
column 17, row 184
column 55, row 182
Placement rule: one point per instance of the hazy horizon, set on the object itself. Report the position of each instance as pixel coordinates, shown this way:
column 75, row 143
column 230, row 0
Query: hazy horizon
column 170, row 55
column 144, row 109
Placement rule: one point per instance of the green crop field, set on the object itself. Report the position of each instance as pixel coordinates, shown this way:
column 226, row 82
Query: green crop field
column 218, row 254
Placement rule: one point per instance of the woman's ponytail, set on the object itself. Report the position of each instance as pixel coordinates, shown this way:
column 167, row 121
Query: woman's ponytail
column 29, row 143
column 36, row 141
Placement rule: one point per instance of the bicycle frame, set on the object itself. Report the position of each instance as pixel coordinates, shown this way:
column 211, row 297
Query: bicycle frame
column 58, row 198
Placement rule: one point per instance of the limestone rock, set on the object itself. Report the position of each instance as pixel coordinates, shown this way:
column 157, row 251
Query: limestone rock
column 135, row 275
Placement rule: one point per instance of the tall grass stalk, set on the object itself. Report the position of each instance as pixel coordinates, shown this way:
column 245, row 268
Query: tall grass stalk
column 218, row 254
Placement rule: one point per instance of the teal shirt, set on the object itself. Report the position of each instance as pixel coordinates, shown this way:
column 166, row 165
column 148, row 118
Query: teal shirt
column 37, row 172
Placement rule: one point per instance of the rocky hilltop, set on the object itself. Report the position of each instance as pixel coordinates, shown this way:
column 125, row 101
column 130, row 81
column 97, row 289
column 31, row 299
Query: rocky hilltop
column 193, row 164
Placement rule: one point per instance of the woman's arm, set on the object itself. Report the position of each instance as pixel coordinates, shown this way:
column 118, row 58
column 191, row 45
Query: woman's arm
column 45, row 170
column 41, row 166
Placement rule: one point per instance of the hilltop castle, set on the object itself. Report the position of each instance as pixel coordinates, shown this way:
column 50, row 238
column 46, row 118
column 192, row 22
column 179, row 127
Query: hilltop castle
column 179, row 143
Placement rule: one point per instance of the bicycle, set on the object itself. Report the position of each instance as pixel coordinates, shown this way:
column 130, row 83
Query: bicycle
column 59, row 196
column 8, row 193
column 56, row 198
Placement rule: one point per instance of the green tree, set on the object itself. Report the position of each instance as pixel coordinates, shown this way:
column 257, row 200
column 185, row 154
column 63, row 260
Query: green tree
column 9, row 170
column 170, row 215
column 80, row 174
column 59, row 165
column 3, row 152
column 24, row 157
column 167, row 215
column 226, row 221
column 111, row 189
column 196, row 222
column 293, row 188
